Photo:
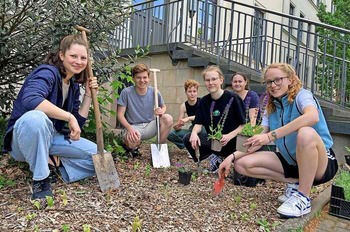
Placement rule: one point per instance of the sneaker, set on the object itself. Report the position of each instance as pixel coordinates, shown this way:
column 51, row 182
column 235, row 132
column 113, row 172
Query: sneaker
column 297, row 205
column 41, row 189
column 290, row 189
column 135, row 153
column 215, row 162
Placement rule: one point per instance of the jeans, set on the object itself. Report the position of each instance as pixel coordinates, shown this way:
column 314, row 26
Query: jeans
column 34, row 138
column 176, row 137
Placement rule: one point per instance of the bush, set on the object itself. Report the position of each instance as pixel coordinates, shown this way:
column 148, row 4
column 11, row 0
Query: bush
column 3, row 125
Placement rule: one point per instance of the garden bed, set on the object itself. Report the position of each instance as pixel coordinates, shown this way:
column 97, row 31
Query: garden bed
column 152, row 195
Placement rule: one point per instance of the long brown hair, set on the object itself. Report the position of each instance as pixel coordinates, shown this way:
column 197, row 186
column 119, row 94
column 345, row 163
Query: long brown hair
column 53, row 58
column 293, row 88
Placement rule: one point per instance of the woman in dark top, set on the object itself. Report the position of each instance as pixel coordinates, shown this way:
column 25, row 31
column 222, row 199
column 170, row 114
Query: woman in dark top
column 218, row 107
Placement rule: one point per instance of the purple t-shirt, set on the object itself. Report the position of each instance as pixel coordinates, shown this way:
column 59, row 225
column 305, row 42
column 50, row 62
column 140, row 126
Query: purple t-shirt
column 251, row 100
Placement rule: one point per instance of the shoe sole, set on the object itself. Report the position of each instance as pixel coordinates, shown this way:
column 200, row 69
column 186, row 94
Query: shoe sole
column 282, row 215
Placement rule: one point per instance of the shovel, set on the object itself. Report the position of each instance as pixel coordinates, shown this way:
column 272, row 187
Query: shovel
column 199, row 168
column 104, row 165
column 160, row 155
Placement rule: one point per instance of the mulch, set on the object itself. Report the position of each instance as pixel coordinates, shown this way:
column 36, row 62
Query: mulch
column 148, row 199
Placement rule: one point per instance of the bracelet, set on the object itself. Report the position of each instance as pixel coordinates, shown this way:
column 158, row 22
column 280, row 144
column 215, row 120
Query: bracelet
column 69, row 117
column 269, row 137
column 87, row 95
column 274, row 135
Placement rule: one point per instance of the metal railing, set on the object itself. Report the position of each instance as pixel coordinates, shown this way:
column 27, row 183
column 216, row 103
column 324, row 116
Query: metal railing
column 248, row 35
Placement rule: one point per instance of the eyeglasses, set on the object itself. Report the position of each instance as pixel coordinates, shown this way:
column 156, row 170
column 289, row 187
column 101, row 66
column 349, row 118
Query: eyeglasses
column 213, row 79
column 278, row 81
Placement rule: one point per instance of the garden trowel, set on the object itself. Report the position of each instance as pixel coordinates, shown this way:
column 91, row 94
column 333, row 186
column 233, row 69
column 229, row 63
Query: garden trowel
column 160, row 155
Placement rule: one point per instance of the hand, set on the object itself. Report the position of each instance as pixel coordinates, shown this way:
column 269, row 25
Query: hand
column 133, row 135
column 74, row 127
column 183, row 121
column 225, row 166
column 158, row 112
column 225, row 139
column 257, row 140
column 177, row 127
column 91, row 83
column 195, row 141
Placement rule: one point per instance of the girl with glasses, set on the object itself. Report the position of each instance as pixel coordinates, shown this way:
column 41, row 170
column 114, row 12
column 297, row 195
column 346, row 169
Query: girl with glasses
column 295, row 123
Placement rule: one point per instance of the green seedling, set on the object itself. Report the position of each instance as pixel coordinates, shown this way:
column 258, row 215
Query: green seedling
column 245, row 217
column 136, row 165
column 30, row 216
column 237, row 199
column 36, row 228
column 50, row 201
column 148, row 169
column 65, row 227
column 233, row 216
column 194, row 176
column 264, row 224
column 19, row 209
column 64, row 198
column 5, row 182
column 36, row 204
column 136, row 224
column 252, row 206
column 86, row 228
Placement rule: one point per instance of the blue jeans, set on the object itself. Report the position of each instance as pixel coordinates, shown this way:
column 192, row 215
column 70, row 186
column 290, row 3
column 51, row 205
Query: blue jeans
column 176, row 137
column 34, row 138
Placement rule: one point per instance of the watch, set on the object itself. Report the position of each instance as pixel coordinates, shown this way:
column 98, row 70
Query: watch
column 274, row 135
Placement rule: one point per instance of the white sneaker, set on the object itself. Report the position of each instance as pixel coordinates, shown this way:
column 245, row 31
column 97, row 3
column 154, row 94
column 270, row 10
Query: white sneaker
column 290, row 189
column 297, row 205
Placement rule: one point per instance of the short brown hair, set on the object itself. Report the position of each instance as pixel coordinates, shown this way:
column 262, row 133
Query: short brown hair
column 191, row 83
column 139, row 68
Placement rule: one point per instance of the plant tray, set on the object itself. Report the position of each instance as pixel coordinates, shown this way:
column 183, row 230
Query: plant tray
column 338, row 206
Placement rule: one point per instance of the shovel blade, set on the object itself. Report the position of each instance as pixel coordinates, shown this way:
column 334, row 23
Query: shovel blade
column 106, row 172
column 160, row 157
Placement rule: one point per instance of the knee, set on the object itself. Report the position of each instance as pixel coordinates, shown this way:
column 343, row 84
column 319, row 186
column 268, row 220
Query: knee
column 242, row 165
column 167, row 120
column 34, row 121
column 306, row 137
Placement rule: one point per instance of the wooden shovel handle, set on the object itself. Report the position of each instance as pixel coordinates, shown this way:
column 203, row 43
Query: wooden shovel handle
column 99, row 131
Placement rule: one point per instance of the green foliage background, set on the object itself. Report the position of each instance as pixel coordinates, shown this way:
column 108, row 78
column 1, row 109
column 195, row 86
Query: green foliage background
column 338, row 46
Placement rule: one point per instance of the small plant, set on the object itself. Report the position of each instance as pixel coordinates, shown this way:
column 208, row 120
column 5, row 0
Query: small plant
column 265, row 225
column 148, row 169
column 36, row 204
column 50, row 201
column 5, row 182
column 86, row 228
column 250, row 129
column 216, row 131
column 136, row 224
column 252, row 206
column 65, row 227
column 347, row 149
column 343, row 180
column 182, row 168
column 31, row 216
column 136, row 165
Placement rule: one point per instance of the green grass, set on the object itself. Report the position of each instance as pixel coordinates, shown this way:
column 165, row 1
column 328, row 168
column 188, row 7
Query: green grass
column 343, row 180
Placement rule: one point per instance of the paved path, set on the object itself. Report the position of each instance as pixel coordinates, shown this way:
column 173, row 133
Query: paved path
column 328, row 223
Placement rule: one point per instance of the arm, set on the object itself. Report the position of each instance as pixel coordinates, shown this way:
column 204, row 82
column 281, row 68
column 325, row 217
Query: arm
column 180, row 122
column 133, row 134
column 307, row 119
column 194, row 139
column 253, row 114
column 227, row 137
column 87, row 98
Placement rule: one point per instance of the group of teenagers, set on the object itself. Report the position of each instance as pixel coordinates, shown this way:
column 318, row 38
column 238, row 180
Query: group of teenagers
column 50, row 101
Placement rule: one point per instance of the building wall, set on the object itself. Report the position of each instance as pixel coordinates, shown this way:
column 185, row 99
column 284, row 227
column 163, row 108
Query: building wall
column 170, row 83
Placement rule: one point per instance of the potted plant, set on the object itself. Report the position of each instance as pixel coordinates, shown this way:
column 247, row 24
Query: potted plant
column 340, row 195
column 347, row 157
column 248, row 129
column 185, row 174
column 215, row 132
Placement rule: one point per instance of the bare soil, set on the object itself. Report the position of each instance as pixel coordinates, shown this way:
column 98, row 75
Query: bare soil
column 153, row 196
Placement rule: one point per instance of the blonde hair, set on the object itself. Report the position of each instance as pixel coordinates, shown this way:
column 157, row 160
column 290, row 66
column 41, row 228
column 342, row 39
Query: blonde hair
column 211, row 68
column 293, row 88
column 191, row 83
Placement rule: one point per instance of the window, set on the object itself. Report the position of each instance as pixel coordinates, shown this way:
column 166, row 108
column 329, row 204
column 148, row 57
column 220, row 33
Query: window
column 291, row 12
column 206, row 19
column 301, row 28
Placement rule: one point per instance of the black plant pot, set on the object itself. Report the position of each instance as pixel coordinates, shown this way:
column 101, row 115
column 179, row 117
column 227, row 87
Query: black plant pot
column 347, row 159
column 185, row 177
